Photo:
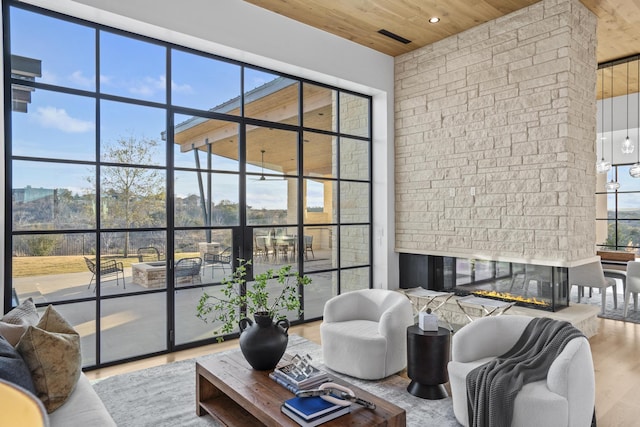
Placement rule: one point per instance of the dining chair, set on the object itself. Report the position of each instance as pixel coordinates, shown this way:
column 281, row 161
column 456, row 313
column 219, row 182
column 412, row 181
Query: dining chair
column 632, row 285
column 308, row 246
column 591, row 275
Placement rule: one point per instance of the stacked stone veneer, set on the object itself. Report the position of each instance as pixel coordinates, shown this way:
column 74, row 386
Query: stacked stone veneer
column 506, row 110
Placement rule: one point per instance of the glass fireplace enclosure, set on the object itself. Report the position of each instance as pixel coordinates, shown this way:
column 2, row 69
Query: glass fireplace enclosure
column 530, row 285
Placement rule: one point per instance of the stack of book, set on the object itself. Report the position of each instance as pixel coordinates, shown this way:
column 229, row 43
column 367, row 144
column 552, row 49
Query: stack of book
column 312, row 411
column 296, row 373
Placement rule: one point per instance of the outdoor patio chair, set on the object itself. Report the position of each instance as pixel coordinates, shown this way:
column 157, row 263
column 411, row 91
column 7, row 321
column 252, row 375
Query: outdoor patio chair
column 308, row 246
column 148, row 254
column 222, row 259
column 260, row 247
column 188, row 267
column 107, row 268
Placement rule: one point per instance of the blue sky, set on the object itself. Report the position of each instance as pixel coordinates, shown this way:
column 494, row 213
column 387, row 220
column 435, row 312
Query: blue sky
column 63, row 126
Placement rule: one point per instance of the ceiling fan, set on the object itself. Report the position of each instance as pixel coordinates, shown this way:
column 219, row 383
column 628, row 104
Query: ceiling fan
column 262, row 177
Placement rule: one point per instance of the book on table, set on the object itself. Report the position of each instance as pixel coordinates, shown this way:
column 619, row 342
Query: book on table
column 300, row 374
column 312, row 411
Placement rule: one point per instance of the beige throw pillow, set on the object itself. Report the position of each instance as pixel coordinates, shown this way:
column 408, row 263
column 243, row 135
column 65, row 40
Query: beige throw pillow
column 14, row 323
column 51, row 350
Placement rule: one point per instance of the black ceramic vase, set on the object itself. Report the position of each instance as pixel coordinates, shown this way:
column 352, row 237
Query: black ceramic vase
column 264, row 342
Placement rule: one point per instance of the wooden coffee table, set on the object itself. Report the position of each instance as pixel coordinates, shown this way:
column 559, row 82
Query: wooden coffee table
column 229, row 390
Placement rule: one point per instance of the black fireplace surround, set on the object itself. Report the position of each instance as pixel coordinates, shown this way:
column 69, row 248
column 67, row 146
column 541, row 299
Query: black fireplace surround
column 529, row 285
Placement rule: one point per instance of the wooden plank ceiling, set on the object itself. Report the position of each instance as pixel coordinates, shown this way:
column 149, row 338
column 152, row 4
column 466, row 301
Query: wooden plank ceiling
column 360, row 21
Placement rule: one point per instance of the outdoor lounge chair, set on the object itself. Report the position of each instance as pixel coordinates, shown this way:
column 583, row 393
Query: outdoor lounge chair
column 188, row 267
column 107, row 268
column 222, row 259
column 148, row 254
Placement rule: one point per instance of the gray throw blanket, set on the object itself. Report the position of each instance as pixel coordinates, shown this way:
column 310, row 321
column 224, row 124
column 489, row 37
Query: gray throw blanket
column 492, row 387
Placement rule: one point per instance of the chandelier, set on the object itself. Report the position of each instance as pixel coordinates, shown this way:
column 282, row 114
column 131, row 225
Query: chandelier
column 612, row 185
column 634, row 171
column 602, row 166
column 627, row 145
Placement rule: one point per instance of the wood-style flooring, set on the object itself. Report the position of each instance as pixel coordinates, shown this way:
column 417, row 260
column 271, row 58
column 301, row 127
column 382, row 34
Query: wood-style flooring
column 616, row 358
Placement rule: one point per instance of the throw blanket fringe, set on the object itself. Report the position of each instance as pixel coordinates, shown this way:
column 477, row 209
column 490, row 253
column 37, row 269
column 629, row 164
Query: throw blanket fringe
column 492, row 387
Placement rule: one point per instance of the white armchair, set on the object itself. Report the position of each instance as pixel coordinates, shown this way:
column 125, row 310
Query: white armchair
column 364, row 333
column 566, row 398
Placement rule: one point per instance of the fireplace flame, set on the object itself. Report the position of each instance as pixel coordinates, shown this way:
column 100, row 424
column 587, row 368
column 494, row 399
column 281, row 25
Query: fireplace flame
column 511, row 297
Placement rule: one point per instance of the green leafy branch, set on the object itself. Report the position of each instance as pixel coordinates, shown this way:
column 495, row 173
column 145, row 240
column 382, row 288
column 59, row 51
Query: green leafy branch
column 238, row 301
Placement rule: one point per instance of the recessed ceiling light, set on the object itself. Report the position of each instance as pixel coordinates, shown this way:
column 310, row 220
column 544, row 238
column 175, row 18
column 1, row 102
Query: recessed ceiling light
column 434, row 20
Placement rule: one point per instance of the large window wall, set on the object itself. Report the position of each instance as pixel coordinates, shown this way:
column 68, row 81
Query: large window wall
column 618, row 212
column 618, row 117
column 138, row 172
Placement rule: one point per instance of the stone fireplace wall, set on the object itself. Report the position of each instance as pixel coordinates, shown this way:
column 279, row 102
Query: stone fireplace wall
column 495, row 139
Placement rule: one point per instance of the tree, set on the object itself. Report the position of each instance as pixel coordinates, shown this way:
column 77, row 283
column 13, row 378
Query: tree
column 132, row 195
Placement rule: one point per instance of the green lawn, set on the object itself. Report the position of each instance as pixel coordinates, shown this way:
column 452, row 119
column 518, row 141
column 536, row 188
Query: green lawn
column 43, row 265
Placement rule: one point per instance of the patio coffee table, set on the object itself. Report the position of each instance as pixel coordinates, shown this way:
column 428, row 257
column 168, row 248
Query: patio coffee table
column 229, row 390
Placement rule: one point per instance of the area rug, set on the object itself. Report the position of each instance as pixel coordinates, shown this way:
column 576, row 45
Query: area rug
column 610, row 312
column 164, row 396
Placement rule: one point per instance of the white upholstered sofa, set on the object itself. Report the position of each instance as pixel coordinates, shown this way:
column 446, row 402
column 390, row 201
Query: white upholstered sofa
column 42, row 355
column 364, row 333
column 83, row 408
column 565, row 398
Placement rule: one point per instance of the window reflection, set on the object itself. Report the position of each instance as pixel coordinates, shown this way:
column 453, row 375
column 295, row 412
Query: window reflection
column 354, row 245
column 354, row 159
column 354, row 114
column 354, row 202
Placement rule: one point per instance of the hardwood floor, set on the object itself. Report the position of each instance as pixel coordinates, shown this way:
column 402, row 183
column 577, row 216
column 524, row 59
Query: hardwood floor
column 616, row 359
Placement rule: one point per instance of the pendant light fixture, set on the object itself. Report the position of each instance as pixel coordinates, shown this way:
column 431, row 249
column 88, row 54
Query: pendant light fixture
column 602, row 166
column 627, row 145
column 612, row 185
column 634, row 171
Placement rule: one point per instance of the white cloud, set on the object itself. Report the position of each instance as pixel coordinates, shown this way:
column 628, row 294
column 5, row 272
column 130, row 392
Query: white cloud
column 49, row 77
column 79, row 79
column 185, row 88
column 149, row 86
column 105, row 80
column 58, row 118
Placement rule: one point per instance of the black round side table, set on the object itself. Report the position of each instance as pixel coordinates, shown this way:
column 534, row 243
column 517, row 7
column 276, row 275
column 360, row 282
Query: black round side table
column 427, row 359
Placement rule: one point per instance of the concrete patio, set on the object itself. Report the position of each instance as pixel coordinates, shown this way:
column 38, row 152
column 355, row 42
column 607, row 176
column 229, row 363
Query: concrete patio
column 133, row 325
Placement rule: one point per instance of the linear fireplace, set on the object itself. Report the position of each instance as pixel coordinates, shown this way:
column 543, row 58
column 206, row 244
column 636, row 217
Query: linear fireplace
column 530, row 285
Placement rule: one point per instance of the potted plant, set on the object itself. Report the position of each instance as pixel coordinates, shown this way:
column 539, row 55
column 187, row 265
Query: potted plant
column 264, row 342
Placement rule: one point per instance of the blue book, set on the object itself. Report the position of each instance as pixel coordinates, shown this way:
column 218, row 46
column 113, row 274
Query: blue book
column 312, row 411
column 311, row 407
